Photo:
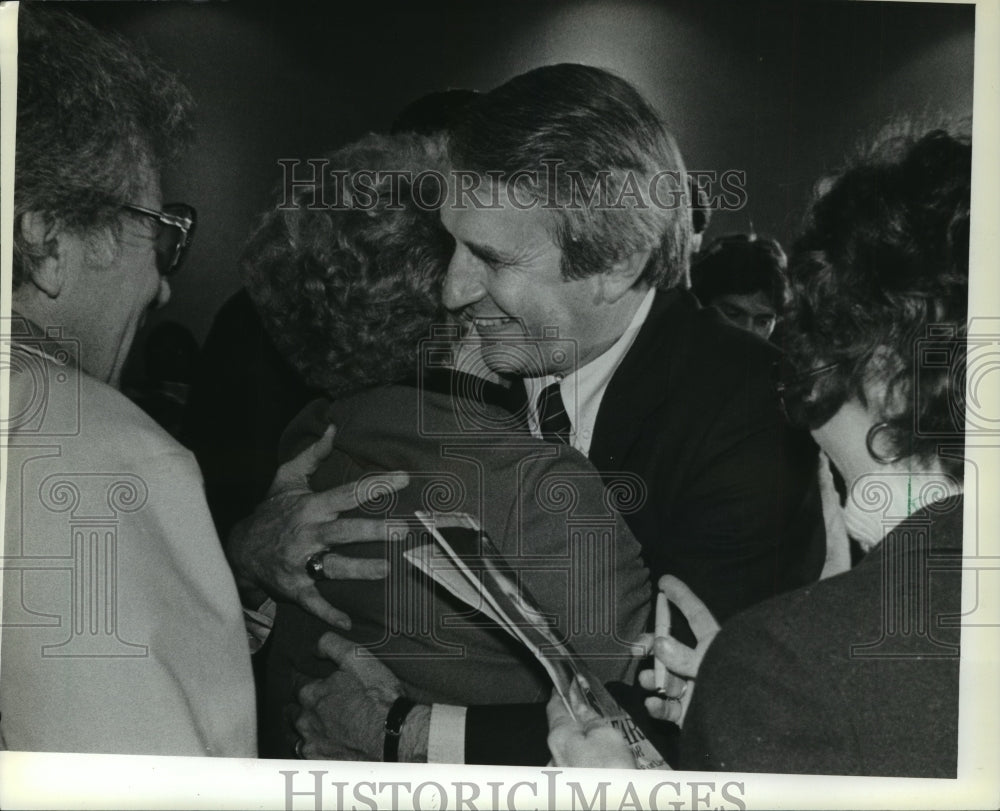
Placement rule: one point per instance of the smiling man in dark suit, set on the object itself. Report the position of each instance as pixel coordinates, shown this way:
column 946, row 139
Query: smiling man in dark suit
column 656, row 385
column 653, row 384
column 572, row 237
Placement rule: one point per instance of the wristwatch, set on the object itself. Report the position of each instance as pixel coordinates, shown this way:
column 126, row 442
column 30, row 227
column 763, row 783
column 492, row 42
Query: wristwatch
column 394, row 721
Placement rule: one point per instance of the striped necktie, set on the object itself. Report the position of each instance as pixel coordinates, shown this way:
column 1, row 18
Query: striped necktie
column 552, row 417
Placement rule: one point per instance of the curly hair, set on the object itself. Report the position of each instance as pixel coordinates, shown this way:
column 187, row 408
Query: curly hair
column 883, row 258
column 595, row 128
column 347, row 291
column 741, row 264
column 92, row 108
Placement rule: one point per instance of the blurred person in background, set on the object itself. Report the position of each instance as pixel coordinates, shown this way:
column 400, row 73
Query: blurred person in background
column 744, row 277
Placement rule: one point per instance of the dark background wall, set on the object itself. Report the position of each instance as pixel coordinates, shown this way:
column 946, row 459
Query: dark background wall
column 780, row 90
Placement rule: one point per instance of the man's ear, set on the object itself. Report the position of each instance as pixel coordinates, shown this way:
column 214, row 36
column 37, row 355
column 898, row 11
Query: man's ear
column 51, row 244
column 623, row 274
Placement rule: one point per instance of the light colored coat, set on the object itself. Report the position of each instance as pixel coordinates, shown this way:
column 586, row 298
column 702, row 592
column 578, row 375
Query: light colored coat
column 122, row 629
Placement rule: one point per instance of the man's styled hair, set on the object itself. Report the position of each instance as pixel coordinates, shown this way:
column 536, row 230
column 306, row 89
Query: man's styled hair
column 92, row 109
column 741, row 264
column 433, row 112
column 883, row 256
column 581, row 126
column 347, row 291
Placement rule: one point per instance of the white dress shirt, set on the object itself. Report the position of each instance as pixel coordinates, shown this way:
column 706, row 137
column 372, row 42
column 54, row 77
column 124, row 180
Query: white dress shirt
column 583, row 389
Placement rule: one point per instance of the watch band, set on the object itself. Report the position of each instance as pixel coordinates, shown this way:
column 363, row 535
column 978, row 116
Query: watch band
column 394, row 721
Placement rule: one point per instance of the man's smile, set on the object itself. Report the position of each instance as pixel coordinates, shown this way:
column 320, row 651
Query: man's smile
column 497, row 324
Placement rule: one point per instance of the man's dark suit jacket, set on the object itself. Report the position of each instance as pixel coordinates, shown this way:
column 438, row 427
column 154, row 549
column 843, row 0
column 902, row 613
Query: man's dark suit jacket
column 857, row 674
column 732, row 502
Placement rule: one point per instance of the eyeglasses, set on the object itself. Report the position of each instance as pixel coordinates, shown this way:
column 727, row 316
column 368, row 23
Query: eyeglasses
column 173, row 236
column 793, row 388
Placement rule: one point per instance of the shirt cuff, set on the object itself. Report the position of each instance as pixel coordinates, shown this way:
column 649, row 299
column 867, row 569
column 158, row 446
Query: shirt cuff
column 446, row 737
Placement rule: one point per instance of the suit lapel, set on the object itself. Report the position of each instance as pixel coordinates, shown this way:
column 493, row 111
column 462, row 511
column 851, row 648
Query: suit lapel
column 643, row 379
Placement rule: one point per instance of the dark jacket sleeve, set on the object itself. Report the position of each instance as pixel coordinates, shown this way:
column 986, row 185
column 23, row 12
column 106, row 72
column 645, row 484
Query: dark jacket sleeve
column 507, row 735
column 777, row 715
column 565, row 501
column 596, row 587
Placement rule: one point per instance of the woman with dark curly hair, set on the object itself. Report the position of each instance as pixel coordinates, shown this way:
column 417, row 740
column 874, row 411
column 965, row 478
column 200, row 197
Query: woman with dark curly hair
column 857, row 674
column 350, row 291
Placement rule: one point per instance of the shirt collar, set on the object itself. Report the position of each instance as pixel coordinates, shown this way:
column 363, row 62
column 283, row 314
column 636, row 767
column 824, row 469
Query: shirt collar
column 583, row 389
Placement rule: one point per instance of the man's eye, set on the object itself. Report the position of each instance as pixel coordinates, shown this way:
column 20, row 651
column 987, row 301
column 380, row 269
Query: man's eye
column 493, row 263
column 764, row 320
column 730, row 312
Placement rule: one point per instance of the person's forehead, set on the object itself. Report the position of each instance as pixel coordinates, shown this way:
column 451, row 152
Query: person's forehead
column 492, row 217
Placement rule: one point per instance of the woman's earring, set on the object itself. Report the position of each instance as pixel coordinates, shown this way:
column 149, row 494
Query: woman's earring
column 882, row 458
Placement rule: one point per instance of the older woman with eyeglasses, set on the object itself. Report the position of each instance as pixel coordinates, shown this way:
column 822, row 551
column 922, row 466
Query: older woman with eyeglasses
column 857, row 674
column 122, row 627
